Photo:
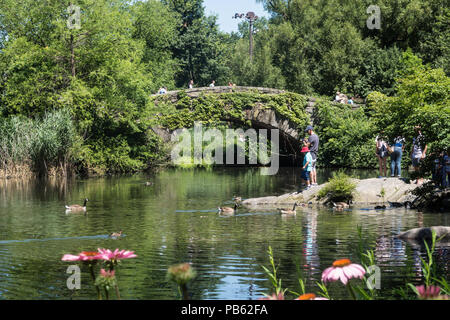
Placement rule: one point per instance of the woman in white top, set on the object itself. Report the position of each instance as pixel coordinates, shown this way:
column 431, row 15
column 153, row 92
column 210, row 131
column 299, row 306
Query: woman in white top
column 381, row 151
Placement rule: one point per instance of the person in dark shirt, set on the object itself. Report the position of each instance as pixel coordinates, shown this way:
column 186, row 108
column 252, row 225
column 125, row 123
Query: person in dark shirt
column 313, row 144
column 418, row 151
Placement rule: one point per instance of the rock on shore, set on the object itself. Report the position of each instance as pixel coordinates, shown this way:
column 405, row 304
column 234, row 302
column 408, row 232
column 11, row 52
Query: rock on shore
column 368, row 191
column 425, row 233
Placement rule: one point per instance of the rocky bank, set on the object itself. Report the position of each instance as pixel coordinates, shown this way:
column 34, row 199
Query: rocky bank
column 368, row 191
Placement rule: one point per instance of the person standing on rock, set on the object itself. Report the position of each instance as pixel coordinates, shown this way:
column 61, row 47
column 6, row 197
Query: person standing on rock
column 418, row 151
column 307, row 167
column 396, row 156
column 313, row 145
column 446, row 169
column 381, row 151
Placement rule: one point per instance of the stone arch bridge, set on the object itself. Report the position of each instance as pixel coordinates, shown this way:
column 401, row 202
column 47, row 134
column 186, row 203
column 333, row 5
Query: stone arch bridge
column 259, row 108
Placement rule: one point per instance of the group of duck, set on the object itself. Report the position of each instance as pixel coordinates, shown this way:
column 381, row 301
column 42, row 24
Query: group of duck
column 336, row 206
column 229, row 211
column 78, row 208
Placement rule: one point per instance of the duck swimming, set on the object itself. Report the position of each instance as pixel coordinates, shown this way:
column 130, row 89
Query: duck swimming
column 227, row 210
column 287, row 212
column 116, row 234
column 77, row 207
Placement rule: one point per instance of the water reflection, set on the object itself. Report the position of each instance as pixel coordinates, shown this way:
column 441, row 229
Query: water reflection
column 311, row 248
column 176, row 221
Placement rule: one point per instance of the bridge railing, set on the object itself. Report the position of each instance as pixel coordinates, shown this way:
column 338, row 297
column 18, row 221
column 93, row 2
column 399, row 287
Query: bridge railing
column 196, row 92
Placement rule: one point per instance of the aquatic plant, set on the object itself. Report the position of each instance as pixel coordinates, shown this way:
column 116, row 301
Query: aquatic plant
column 38, row 144
column 276, row 283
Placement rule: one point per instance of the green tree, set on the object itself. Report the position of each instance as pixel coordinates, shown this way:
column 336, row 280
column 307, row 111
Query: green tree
column 422, row 98
column 96, row 71
column 200, row 47
column 156, row 25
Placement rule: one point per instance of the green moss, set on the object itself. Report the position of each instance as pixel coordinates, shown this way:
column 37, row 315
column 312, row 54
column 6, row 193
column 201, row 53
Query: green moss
column 215, row 108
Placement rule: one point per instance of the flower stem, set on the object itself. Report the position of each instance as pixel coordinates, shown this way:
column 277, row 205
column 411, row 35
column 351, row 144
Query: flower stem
column 184, row 291
column 117, row 292
column 350, row 289
column 91, row 269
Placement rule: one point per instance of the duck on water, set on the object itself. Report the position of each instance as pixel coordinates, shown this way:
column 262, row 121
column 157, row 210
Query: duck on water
column 77, row 207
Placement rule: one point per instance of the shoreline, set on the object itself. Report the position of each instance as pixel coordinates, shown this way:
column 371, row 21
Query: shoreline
column 367, row 192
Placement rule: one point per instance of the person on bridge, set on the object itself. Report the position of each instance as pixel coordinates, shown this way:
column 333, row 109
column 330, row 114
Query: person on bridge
column 351, row 100
column 313, row 145
column 162, row 90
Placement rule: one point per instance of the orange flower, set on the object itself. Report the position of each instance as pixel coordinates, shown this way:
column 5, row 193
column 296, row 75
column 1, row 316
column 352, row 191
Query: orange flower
column 307, row 296
column 310, row 296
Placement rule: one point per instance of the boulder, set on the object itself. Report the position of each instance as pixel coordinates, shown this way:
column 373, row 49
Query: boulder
column 368, row 191
column 425, row 233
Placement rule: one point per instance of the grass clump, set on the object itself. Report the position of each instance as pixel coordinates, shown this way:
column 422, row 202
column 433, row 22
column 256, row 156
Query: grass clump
column 340, row 188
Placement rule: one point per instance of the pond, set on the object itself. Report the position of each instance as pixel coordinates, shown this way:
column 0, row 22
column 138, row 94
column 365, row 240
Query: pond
column 176, row 221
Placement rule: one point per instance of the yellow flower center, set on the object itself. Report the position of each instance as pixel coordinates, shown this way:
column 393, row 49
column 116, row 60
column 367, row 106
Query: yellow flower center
column 307, row 296
column 341, row 263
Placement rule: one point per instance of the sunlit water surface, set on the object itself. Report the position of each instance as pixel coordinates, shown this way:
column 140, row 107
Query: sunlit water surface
column 176, row 220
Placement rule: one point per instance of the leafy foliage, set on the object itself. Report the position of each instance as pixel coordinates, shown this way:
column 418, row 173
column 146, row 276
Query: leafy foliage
column 422, row 98
column 347, row 136
column 339, row 188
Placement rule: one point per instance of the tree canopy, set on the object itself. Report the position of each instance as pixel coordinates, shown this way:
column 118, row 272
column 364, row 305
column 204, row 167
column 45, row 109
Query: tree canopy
column 104, row 71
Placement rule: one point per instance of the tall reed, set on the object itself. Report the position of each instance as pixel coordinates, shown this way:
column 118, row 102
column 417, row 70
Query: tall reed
column 37, row 144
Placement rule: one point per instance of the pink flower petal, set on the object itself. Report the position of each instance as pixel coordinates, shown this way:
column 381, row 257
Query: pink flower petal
column 342, row 276
column 70, row 257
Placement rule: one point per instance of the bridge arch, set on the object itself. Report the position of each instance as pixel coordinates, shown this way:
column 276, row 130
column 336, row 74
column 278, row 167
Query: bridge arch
column 251, row 107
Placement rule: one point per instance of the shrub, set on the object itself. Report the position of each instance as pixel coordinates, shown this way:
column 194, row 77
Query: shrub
column 339, row 188
column 347, row 136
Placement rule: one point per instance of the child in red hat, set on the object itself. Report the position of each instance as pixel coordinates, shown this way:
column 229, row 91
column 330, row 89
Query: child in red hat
column 307, row 167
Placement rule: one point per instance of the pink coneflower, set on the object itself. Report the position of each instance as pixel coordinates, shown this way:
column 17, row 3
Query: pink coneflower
column 430, row 293
column 107, row 274
column 83, row 256
column 107, row 254
column 310, row 296
column 343, row 270
column 274, row 296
